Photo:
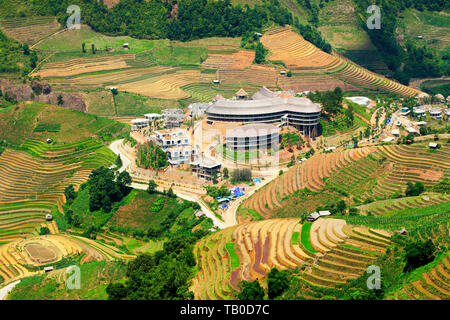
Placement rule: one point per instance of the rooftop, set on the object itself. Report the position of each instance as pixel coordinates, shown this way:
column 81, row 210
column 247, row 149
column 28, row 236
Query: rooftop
column 241, row 93
column 263, row 106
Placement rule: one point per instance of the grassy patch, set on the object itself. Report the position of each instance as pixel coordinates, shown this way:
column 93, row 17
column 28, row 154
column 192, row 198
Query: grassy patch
column 306, row 228
column 233, row 256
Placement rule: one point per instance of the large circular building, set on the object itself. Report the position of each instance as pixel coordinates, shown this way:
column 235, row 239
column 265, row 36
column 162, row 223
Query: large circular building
column 267, row 107
column 252, row 137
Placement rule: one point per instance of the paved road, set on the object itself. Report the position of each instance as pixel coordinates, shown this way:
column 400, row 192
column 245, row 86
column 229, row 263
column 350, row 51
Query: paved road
column 7, row 289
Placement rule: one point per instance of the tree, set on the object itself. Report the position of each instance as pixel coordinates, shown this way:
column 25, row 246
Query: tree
column 409, row 138
column 93, row 48
column 225, row 173
column 83, row 47
column 170, row 193
column 289, row 73
column 341, row 206
column 277, row 282
column 119, row 161
column 418, row 253
column 60, row 100
column 414, row 189
column 26, row 49
column 44, row 231
column 124, row 179
column 70, row 193
column 260, row 53
column 250, row 291
column 116, row 291
column 151, row 186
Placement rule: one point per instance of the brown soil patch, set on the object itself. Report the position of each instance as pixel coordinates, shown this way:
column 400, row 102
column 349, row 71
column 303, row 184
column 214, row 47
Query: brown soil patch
column 41, row 253
column 238, row 60
column 431, row 175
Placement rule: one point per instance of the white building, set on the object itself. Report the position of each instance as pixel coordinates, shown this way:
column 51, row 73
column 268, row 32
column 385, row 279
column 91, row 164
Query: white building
column 177, row 144
column 180, row 155
column 139, row 123
column 362, row 101
column 436, row 113
column 153, row 116
column 419, row 111
column 411, row 130
column 172, row 138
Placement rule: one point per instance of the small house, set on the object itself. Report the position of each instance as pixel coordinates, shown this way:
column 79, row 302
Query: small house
column 396, row 132
column 216, row 81
column 125, row 46
column 48, row 217
column 432, row 145
column 48, row 269
column 436, row 113
column 313, row 217
column 283, row 72
column 49, row 141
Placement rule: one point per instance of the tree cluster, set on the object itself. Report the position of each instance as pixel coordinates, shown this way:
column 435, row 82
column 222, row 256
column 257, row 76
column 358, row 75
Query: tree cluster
column 105, row 188
column 415, row 189
column 149, row 155
column 157, row 19
column 164, row 275
column 241, row 175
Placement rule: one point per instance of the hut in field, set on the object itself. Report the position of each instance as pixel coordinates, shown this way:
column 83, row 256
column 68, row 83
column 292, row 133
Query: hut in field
column 242, row 94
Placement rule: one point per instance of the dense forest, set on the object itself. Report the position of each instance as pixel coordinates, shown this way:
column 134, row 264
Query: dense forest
column 418, row 62
column 177, row 20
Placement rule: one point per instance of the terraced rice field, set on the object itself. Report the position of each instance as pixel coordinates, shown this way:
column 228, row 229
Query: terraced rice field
column 32, row 186
column 112, row 78
column 432, row 285
column 360, row 173
column 299, row 54
column 358, row 177
column 167, row 86
column 310, row 82
column 29, row 29
column 14, row 257
column 256, row 75
column 309, row 174
column 412, row 163
column 84, row 65
column 392, row 205
column 236, row 60
column 338, row 252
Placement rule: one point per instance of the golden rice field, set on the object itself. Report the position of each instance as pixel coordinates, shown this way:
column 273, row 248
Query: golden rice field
column 349, row 170
column 83, row 65
column 299, row 54
column 32, row 186
column 23, row 257
column 30, row 29
column 328, row 251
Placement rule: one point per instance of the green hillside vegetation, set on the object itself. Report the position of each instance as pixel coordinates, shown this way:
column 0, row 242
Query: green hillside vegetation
column 95, row 277
column 18, row 123
column 156, row 216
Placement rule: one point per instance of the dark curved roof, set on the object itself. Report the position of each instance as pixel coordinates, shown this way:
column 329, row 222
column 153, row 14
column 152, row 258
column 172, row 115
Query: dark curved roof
column 263, row 106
